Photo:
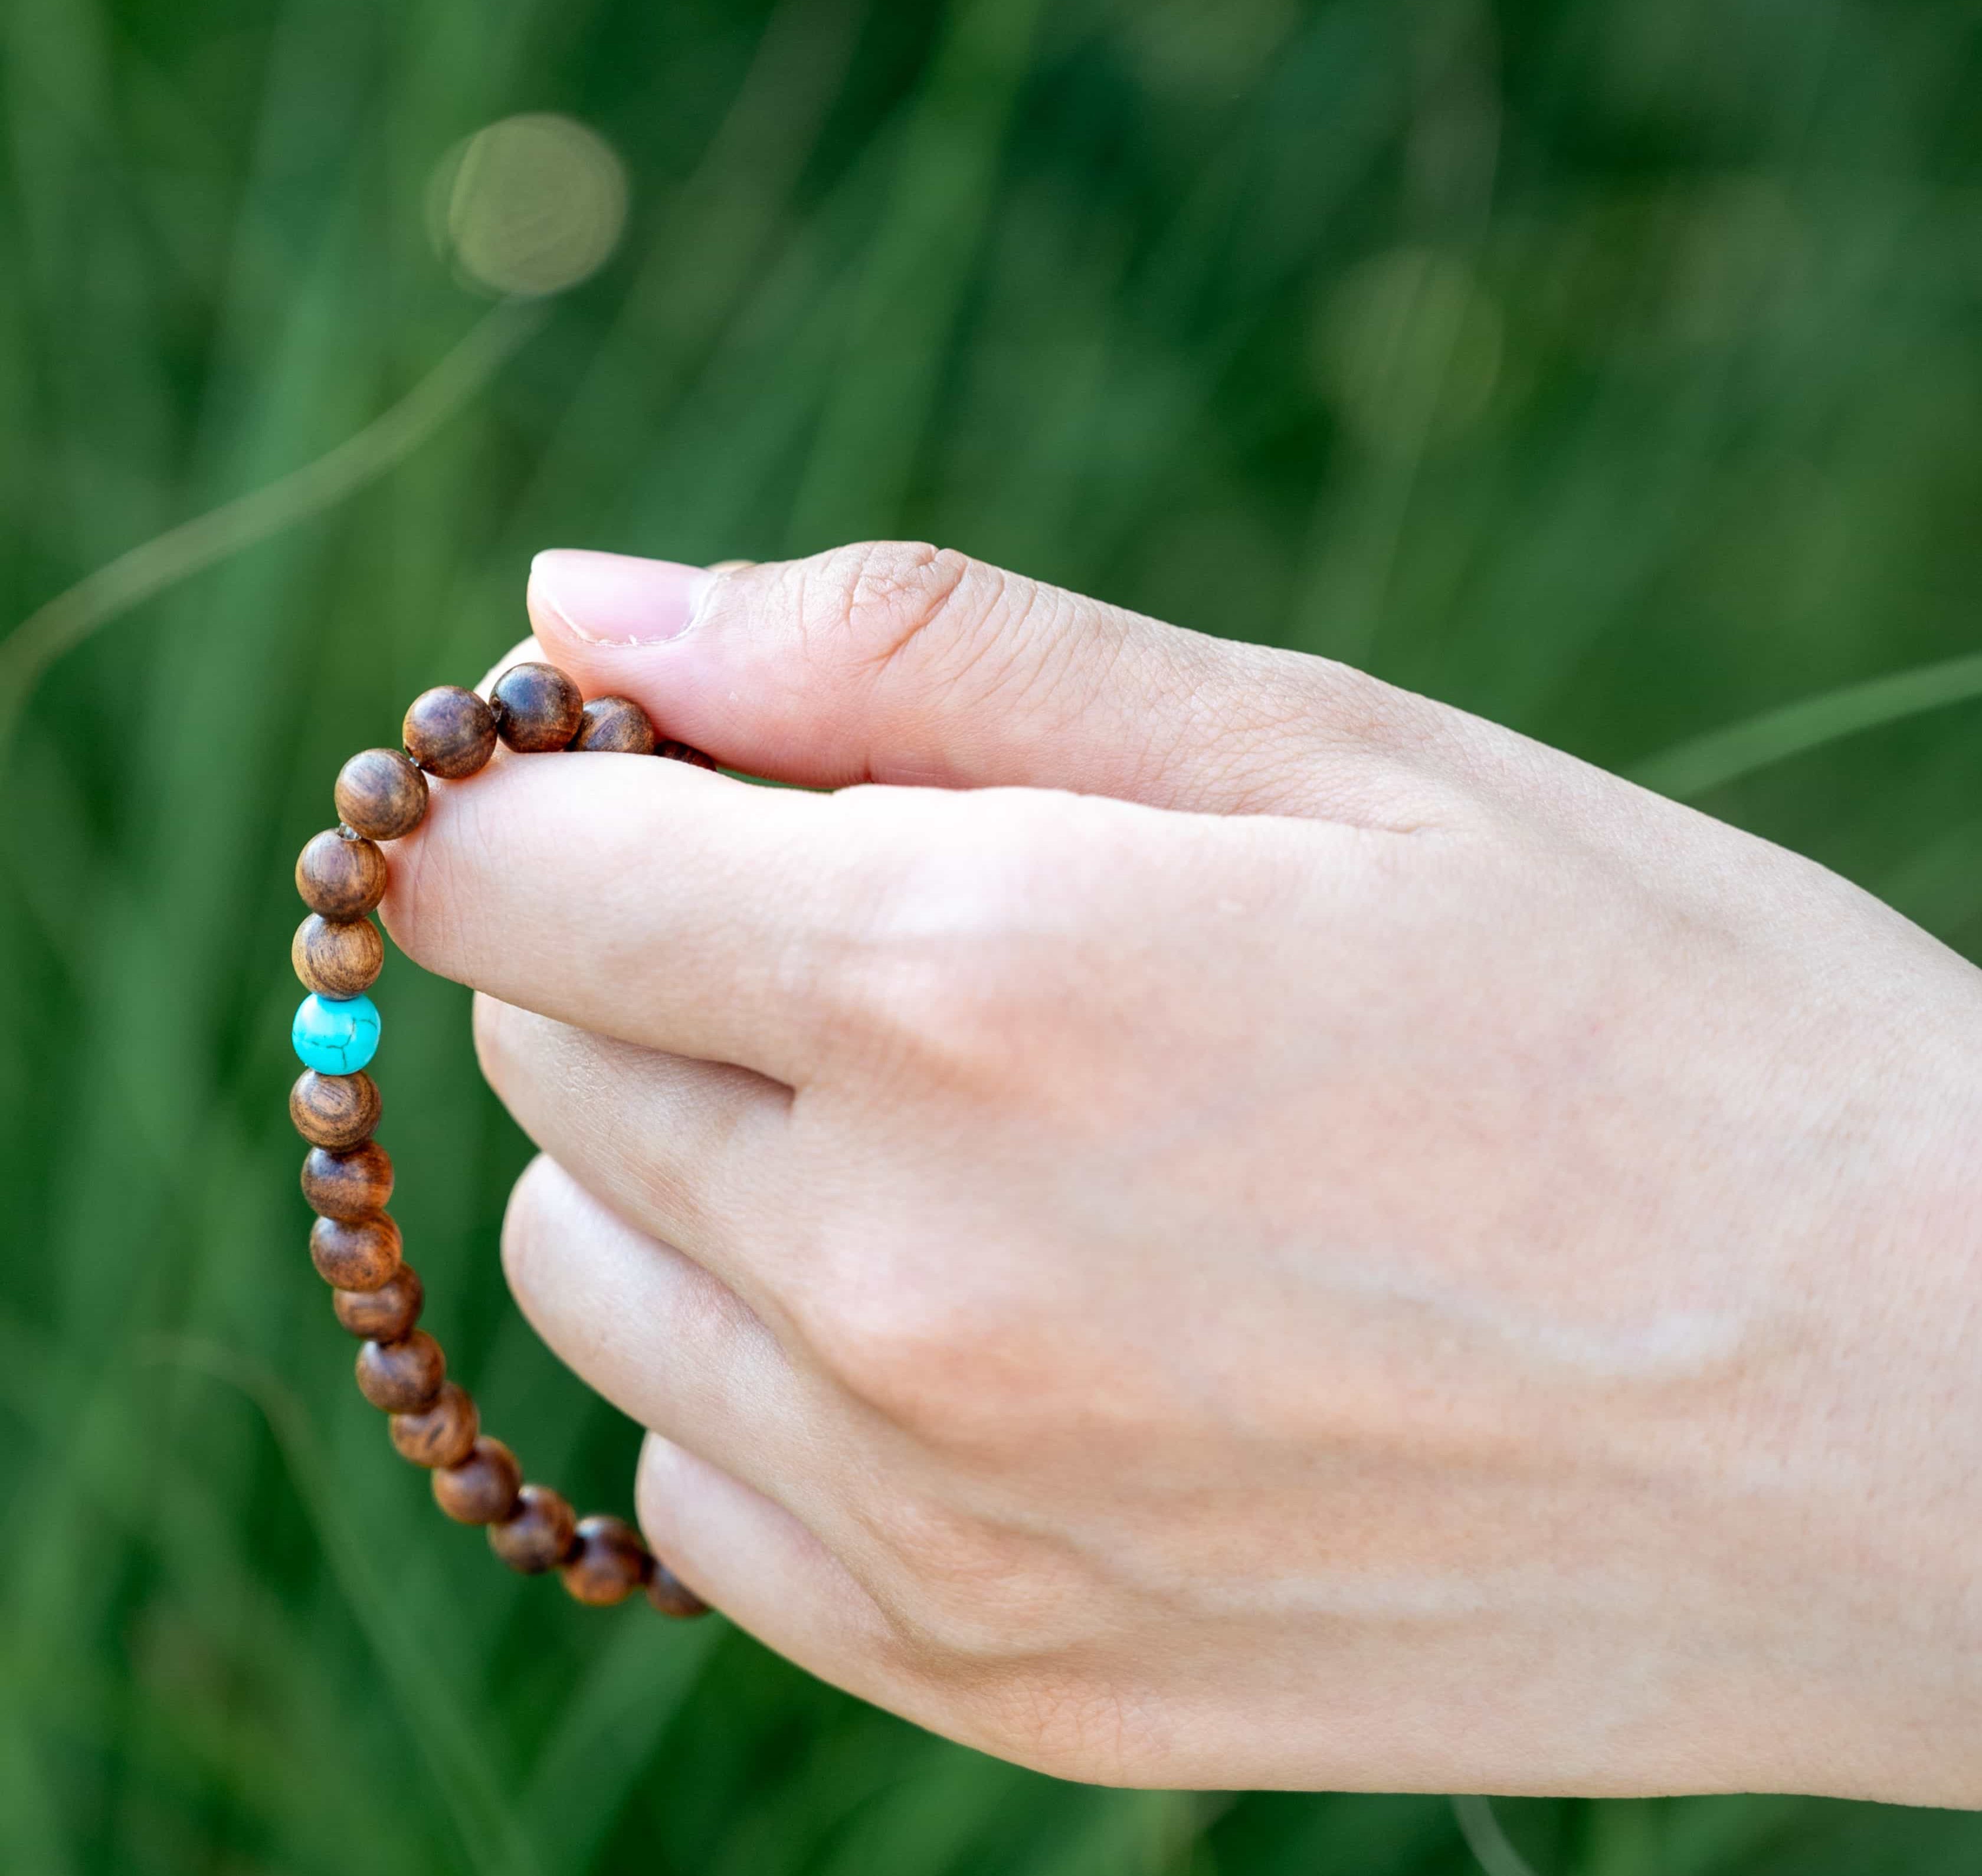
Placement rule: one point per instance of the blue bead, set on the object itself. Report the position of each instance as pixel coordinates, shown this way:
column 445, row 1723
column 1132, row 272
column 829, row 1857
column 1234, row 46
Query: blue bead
column 335, row 1036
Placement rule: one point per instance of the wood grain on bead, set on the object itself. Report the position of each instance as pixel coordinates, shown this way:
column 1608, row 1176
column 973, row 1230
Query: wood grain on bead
column 483, row 1488
column 444, row 1434
column 403, row 1377
column 537, row 707
column 355, row 1253
column 681, row 752
column 381, row 794
column 341, row 875
column 386, row 1312
column 616, row 726
column 348, row 1185
column 538, row 1534
column 669, row 1595
column 337, row 957
column 449, row 732
column 608, row 1562
column 339, row 1111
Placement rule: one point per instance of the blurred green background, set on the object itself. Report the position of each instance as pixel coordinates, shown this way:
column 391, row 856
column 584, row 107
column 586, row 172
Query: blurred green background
column 1608, row 367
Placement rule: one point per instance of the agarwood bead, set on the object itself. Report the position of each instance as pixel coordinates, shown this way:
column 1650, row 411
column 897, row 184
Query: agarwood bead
column 681, row 752
column 614, row 723
column 402, row 1376
column 348, row 1185
column 339, row 1111
column 483, row 1489
column 444, row 1434
column 608, row 1561
column 538, row 1534
column 537, row 707
column 669, row 1595
column 449, row 731
column 355, row 1253
column 337, row 957
column 341, row 875
column 386, row 1312
column 381, row 794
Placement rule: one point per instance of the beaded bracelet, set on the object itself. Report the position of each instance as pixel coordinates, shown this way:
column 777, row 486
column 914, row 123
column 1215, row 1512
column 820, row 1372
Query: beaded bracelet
column 382, row 795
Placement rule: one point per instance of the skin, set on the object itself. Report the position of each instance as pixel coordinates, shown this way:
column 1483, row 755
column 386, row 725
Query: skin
column 1202, row 1221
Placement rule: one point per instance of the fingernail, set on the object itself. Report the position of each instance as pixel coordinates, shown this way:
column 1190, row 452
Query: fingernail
column 617, row 599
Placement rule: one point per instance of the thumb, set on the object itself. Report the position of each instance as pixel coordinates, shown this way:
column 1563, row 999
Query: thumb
column 896, row 662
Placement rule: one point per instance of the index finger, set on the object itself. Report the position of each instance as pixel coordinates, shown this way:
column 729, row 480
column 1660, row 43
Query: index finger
column 645, row 899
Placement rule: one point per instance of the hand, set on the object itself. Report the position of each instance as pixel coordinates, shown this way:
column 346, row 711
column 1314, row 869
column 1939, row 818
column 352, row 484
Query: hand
column 1228, row 1225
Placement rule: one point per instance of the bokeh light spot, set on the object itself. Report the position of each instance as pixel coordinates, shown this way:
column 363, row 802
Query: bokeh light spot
column 530, row 205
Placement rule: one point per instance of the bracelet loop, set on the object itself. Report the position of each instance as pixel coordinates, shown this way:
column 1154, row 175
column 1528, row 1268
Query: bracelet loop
column 382, row 795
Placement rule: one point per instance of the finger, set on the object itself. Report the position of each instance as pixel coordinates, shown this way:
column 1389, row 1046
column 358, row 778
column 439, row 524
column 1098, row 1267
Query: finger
column 665, row 1341
column 524, row 652
column 894, row 662
column 678, row 1148
column 751, row 1558
column 648, row 900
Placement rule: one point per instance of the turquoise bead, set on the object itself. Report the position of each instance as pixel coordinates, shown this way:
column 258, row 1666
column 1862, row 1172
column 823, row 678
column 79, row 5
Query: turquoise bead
column 335, row 1036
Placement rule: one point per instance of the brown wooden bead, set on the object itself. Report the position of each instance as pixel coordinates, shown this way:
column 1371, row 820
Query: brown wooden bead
column 669, row 1595
column 403, row 1377
column 537, row 707
column 387, row 1311
column 538, row 1534
column 617, row 724
column 483, row 1489
column 355, row 1253
column 681, row 752
column 449, row 731
column 608, row 1562
column 338, row 1111
column 337, row 958
column 381, row 794
column 341, row 875
column 444, row 1434
column 348, row 1185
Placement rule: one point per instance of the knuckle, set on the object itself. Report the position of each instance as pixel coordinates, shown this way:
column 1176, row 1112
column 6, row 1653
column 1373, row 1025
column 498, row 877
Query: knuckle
column 933, row 1346
column 895, row 607
column 990, row 942
column 887, row 1341
column 965, row 1593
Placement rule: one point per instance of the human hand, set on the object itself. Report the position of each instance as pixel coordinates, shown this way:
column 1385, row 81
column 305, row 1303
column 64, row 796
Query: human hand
column 1228, row 1225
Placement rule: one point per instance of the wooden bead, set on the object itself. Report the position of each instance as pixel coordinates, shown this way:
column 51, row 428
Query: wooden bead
column 348, row 1185
column 617, row 724
column 355, row 1253
column 338, row 1111
column 681, row 752
column 337, row 958
column 341, row 875
column 483, row 1488
column 381, row 794
column 669, row 1595
column 538, row 1534
column 537, row 707
column 444, row 1434
column 387, row 1311
column 608, row 1561
column 449, row 731
column 403, row 1377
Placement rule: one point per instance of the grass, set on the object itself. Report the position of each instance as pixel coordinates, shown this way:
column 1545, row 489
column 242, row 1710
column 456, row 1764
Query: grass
column 1607, row 368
